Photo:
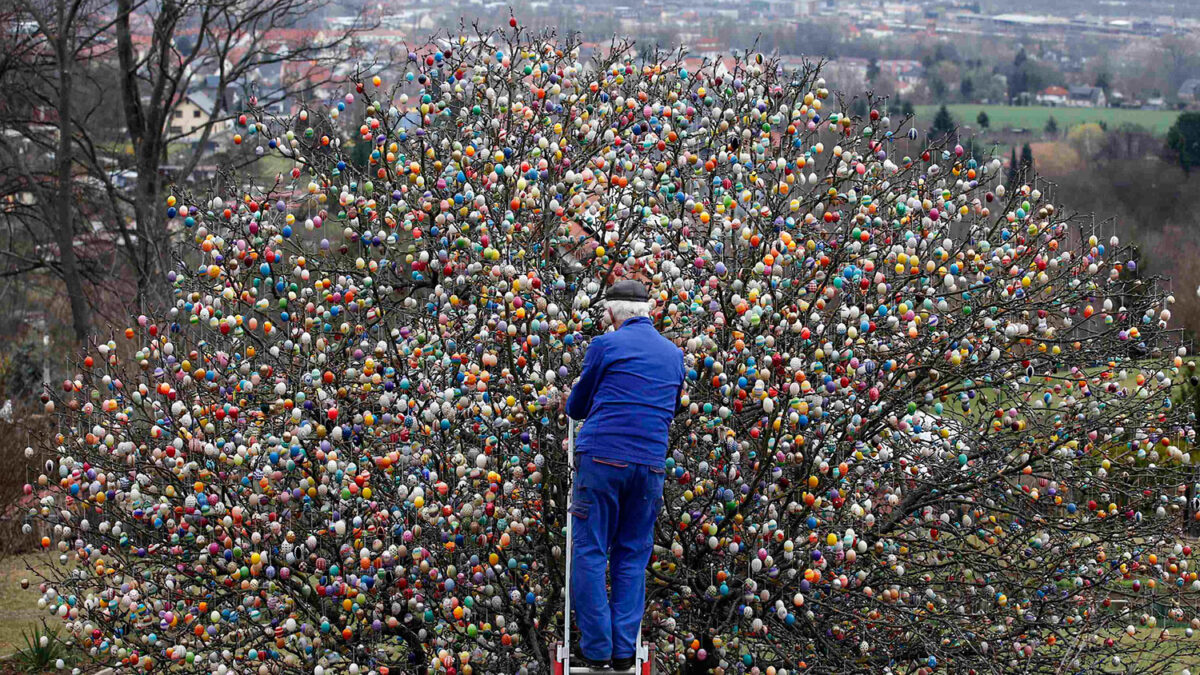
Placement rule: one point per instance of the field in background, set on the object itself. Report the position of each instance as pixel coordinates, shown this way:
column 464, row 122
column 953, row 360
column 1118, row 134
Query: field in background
column 1033, row 118
column 18, row 607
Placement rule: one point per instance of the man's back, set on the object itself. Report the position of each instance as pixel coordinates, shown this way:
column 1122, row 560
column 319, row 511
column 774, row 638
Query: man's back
column 628, row 392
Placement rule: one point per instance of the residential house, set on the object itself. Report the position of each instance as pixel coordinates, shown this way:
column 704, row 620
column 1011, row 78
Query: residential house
column 1189, row 91
column 906, row 73
column 192, row 113
column 1084, row 96
column 211, row 85
column 720, row 68
column 850, row 72
column 712, row 47
column 1053, row 96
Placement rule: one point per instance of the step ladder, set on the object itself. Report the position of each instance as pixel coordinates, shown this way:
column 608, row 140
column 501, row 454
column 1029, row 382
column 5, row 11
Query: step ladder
column 560, row 652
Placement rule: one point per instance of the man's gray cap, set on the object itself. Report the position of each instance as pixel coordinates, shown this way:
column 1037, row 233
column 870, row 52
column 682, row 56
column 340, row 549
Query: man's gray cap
column 627, row 290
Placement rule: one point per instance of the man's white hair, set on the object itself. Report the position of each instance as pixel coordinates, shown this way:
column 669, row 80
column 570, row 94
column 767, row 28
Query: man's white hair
column 623, row 310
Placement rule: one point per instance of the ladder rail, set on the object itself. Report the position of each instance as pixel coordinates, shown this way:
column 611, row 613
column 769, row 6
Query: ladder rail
column 642, row 654
column 565, row 650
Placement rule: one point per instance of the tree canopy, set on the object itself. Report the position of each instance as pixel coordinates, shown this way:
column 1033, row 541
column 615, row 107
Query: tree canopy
column 928, row 420
column 1183, row 139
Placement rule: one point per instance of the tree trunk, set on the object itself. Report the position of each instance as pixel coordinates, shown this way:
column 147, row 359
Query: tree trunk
column 146, row 160
column 152, row 249
column 64, row 230
column 141, row 219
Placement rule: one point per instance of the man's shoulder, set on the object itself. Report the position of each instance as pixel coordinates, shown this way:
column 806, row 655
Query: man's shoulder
column 668, row 348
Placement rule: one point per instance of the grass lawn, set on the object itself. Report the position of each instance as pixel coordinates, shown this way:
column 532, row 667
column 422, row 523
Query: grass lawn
column 988, row 399
column 18, row 607
column 269, row 165
column 1034, row 118
column 1178, row 651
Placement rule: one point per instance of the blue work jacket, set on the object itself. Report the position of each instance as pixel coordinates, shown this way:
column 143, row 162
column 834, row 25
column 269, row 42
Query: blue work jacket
column 629, row 392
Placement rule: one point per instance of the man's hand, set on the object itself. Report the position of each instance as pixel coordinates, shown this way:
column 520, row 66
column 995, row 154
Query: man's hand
column 557, row 400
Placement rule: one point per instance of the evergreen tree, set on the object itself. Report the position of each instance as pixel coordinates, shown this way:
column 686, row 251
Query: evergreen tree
column 983, row 120
column 1026, row 157
column 967, row 89
column 360, row 155
column 1184, row 139
column 1013, row 167
column 1018, row 81
column 1051, row 128
column 943, row 126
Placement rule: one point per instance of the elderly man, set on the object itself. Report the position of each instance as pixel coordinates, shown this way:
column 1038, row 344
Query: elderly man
column 629, row 392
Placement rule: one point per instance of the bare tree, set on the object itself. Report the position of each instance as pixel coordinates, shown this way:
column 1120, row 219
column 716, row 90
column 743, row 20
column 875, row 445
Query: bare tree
column 48, row 42
column 229, row 39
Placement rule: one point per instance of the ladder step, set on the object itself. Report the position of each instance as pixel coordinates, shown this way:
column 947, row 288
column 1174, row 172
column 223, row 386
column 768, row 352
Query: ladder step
column 584, row 670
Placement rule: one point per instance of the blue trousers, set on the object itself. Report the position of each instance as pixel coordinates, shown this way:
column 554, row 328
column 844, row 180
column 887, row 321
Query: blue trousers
column 614, row 505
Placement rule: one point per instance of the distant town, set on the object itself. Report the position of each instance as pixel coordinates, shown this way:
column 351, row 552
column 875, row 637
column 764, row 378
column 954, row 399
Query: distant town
column 921, row 53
